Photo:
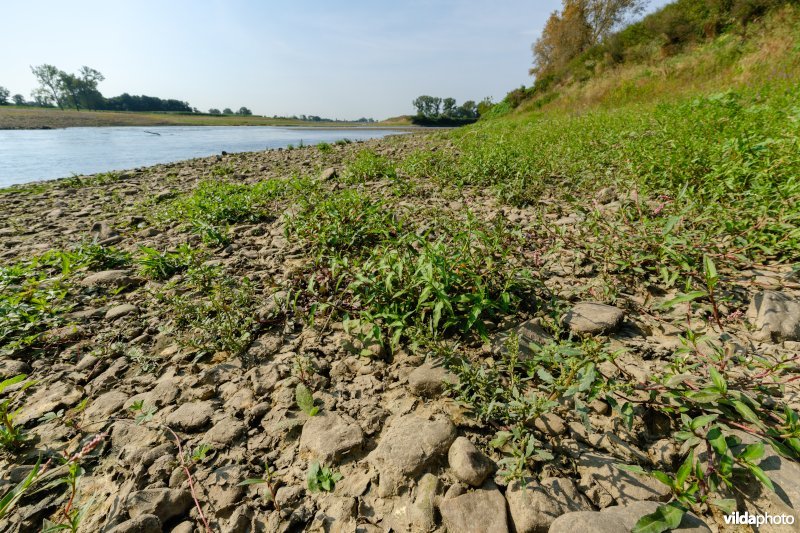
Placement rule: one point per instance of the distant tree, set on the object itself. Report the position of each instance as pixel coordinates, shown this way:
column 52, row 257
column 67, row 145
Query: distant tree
column 227, row 111
column 468, row 109
column 244, row 112
column 18, row 99
column 214, row 111
column 49, row 79
column 449, row 107
column 485, row 105
column 427, row 106
column 580, row 25
column 4, row 95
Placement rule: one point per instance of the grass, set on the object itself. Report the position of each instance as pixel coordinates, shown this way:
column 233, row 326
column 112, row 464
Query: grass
column 14, row 117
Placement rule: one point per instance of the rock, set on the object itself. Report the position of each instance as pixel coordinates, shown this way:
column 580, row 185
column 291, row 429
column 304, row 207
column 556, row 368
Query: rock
column 191, row 416
column 423, row 512
column 468, row 463
column 775, row 316
column 328, row 436
column 110, row 278
column 528, row 333
column 619, row 518
column 409, row 445
column 225, row 432
column 550, row 424
column 273, row 307
column 428, row 381
column 327, row 174
column 621, row 486
column 534, row 506
column 476, row 512
column 12, row 367
column 590, row 318
column 47, row 399
column 120, row 311
column 146, row 523
column 166, row 504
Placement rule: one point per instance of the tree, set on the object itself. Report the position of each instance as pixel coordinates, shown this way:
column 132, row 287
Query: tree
column 227, row 111
column 214, row 111
column 449, row 107
column 49, row 90
column 244, row 112
column 468, row 110
column 4, row 95
column 580, row 25
column 18, row 99
column 427, row 106
column 485, row 105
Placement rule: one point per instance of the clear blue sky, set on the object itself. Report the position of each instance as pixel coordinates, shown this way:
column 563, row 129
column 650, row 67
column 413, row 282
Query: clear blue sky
column 340, row 59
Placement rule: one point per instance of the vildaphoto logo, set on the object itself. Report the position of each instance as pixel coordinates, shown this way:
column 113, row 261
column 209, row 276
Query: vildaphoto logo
column 745, row 518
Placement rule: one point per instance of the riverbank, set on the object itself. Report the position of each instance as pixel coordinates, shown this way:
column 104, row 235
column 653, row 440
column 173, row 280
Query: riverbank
column 465, row 327
column 15, row 117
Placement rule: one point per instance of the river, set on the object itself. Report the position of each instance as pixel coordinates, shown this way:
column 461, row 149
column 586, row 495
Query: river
column 33, row 155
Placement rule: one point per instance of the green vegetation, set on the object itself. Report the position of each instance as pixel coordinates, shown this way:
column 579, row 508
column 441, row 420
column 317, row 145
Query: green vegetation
column 163, row 265
column 322, row 478
column 11, row 435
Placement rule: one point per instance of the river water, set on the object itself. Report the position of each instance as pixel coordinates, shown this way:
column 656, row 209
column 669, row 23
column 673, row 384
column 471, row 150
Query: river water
column 33, row 155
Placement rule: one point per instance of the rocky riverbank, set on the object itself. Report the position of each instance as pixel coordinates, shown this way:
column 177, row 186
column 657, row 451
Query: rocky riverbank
column 173, row 355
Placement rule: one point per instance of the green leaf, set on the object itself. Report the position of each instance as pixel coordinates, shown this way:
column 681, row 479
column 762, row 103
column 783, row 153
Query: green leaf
column 717, row 440
column 684, row 470
column 252, row 481
column 666, row 517
column 718, row 380
column 702, row 421
column 683, row 298
column 727, row 506
column 12, row 381
column 636, row 469
column 762, row 477
column 747, row 413
column 663, row 478
column 753, row 452
column 305, row 401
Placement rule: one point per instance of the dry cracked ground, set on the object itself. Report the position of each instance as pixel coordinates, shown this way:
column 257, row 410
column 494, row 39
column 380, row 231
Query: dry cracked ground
column 120, row 372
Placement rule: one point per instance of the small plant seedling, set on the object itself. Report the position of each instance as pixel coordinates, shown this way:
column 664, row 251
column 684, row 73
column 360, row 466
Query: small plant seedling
column 143, row 414
column 269, row 481
column 322, row 478
column 305, row 400
column 200, row 452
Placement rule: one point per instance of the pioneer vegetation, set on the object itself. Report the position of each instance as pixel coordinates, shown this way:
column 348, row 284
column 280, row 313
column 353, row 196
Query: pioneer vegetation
column 581, row 313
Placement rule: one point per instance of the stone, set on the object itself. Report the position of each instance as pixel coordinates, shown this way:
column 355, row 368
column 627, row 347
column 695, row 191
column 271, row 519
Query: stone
column 46, row 399
column 12, row 367
column 481, row 511
column 528, row 333
column 468, row 463
column 164, row 503
column 590, row 318
column 534, row 506
column 550, row 424
column 622, row 486
column 428, row 381
column 619, row 518
column 775, row 316
column 327, row 174
column 110, row 278
column 225, row 432
column 120, row 311
column 191, row 416
column 407, row 446
column 327, row 436
column 146, row 523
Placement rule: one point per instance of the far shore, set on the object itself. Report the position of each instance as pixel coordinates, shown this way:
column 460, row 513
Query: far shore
column 33, row 118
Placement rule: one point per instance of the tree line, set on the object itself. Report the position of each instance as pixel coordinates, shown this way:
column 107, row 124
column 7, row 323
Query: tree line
column 57, row 88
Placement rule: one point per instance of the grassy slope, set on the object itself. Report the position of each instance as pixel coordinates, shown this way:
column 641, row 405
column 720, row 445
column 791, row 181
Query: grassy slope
column 13, row 117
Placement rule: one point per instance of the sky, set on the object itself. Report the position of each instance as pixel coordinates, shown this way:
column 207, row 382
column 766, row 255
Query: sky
column 337, row 59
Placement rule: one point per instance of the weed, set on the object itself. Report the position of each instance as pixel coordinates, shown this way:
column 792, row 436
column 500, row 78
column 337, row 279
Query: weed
column 368, row 166
column 200, row 452
column 163, row 265
column 12, row 436
column 305, row 400
column 321, row 478
column 98, row 257
column 142, row 414
column 325, row 148
column 268, row 480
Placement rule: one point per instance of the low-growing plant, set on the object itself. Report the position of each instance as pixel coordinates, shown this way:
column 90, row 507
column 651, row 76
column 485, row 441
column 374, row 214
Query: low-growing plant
column 11, row 435
column 163, row 265
column 270, row 481
column 98, row 257
column 305, row 400
column 368, row 166
column 324, row 147
column 321, row 478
